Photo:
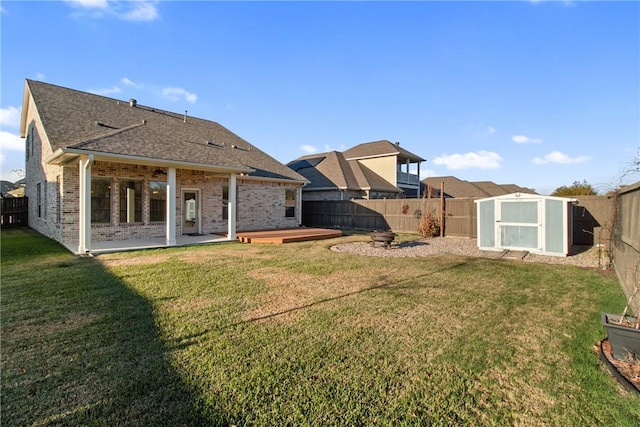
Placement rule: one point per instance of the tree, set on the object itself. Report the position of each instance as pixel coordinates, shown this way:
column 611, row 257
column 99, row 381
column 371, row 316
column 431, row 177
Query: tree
column 576, row 189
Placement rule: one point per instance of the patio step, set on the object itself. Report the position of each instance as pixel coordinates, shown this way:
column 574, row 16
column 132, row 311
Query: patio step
column 287, row 235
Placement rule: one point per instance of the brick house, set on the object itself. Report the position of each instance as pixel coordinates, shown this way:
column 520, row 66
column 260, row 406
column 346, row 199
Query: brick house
column 100, row 169
column 373, row 170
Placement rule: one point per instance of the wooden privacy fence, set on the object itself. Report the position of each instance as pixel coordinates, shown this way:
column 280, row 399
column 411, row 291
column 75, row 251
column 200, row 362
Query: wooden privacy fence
column 14, row 211
column 593, row 216
column 625, row 248
column 398, row 215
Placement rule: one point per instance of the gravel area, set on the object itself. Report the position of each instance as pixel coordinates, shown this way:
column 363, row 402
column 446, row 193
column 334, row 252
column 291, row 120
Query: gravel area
column 583, row 256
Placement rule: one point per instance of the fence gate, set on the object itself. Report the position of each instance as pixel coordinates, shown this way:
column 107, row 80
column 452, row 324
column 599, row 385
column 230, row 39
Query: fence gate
column 15, row 212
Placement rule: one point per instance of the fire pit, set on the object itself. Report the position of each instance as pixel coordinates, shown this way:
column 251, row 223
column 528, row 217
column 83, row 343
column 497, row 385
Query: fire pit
column 384, row 237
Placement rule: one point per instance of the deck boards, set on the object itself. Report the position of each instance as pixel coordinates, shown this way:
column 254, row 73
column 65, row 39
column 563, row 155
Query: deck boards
column 288, row 235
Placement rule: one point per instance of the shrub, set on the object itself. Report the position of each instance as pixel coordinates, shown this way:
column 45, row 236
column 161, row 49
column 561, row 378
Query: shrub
column 429, row 226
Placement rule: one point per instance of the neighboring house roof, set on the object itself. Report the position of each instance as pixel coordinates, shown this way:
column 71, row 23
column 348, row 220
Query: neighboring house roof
column 454, row 187
column 331, row 171
column 78, row 123
column 6, row 186
column 380, row 148
column 489, row 187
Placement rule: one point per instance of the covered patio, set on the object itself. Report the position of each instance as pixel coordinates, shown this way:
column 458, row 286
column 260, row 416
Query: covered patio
column 153, row 243
column 266, row 236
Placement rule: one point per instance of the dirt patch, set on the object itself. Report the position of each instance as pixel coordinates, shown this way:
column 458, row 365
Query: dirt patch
column 123, row 260
column 202, row 257
column 288, row 292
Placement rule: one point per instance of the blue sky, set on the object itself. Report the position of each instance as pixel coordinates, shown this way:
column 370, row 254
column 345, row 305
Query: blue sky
column 534, row 93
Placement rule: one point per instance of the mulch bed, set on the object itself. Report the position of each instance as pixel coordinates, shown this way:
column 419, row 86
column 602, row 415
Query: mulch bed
column 627, row 372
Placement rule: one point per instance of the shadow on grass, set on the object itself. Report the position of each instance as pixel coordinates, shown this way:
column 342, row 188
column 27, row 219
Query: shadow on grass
column 79, row 347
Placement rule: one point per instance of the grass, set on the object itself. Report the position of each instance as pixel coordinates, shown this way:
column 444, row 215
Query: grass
column 297, row 334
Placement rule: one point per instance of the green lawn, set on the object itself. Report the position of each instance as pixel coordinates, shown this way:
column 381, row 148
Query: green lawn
column 297, row 334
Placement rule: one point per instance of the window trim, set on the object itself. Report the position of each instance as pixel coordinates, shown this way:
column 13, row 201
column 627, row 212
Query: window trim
column 109, row 181
column 290, row 205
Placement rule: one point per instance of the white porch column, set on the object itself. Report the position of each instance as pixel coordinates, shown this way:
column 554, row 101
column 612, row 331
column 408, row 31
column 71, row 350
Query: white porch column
column 171, row 208
column 231, row 233
column 84, row 212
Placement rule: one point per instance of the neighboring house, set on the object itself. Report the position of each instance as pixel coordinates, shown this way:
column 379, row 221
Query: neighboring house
column 7, row 188
column 457, row 188
column 373, row 170
column 100, row 169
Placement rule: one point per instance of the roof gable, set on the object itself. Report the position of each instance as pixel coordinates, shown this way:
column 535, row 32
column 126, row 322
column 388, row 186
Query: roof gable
column 379, row 149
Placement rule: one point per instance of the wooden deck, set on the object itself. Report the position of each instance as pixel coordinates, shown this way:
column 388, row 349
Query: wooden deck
column 286, row 236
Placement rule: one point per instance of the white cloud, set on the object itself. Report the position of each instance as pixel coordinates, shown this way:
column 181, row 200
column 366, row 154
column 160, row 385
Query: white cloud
column 491, row 130
column 141, row 11
column 309, row 149
column 522, row 139
column 559, row 158
column 11, row 141
column 106, row 91
column 89, row 4
column 40, row 76
column 10, row 116
column 128, row 82
column 480, row 159
column 175, row 93
column 426, row 173
column 135, row 10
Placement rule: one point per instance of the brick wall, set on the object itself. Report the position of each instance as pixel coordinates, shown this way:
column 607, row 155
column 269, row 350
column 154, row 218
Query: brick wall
column 261, row 204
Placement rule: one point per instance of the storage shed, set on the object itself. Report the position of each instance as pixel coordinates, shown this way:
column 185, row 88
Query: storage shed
column 520, row 221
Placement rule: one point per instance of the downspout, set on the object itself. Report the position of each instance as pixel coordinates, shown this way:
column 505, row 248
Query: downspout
column 84, row 243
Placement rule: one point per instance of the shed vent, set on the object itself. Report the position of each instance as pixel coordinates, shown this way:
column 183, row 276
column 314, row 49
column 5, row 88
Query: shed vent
column 133, row 102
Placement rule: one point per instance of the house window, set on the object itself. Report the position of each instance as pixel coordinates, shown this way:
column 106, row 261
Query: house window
column 225, row 201
column 58, row 207
column 100, row 200
column 130, row 201
column 31, row 131
column 39, row 199
column 44, row 204
column 290, row 203
column 157, row 201
column 26, row 143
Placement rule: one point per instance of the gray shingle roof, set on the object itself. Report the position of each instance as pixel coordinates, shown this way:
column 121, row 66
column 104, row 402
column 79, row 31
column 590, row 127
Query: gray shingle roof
column 455, row 187
column 335, row 172
column 79, row 121
column 380, row 148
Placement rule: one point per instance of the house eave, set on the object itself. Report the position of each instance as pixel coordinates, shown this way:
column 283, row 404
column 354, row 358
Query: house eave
column 267, row 179
column 64, row 156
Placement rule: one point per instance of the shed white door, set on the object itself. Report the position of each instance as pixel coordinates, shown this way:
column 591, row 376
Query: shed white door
column 519, row 224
